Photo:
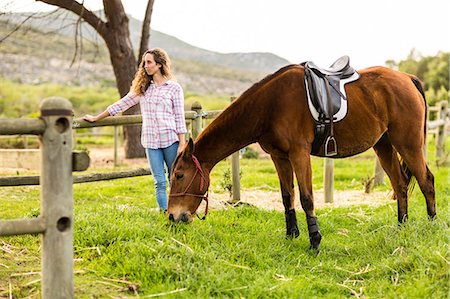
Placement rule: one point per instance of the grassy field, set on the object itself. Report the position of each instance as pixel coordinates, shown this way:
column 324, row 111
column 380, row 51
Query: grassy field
column 27, row 97
column 124, row 249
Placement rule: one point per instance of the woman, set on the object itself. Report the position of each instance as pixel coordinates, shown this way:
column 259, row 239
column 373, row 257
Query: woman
column 162, row 106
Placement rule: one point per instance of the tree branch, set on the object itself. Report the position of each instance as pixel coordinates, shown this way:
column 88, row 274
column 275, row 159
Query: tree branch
column 84, row 13
column 15, row 29
column 145, row 36
column 114, row 8
column 78, row 36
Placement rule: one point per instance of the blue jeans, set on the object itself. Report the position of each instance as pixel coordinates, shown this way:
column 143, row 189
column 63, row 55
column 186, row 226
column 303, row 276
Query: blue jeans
column 156, row 159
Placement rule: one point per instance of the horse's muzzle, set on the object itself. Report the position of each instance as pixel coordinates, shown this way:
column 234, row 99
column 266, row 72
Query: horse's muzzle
column 185, row 217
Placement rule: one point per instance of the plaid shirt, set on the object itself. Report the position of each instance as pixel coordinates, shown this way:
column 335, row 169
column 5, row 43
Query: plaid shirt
column 162, row 109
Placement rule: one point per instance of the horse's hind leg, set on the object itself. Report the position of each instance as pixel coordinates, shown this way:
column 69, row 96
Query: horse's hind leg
column 285, row 174
column 415, row 161
column 426, row 184
column 300, row 160
column 389, row 161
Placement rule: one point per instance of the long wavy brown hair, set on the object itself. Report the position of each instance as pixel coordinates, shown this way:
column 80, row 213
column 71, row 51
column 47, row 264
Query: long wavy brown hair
column 142, row 80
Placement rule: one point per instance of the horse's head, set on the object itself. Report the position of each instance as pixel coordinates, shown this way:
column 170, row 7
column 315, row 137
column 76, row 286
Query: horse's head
column 188, row 186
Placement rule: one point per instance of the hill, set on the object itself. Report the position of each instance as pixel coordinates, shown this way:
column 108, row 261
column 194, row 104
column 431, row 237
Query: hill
column 43, row 51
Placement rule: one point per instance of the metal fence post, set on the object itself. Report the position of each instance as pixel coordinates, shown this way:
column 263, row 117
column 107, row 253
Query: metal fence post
column 56, row 199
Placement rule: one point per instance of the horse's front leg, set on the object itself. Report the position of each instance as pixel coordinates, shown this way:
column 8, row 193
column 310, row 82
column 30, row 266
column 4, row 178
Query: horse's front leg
column 285, row 174
column 301, row 161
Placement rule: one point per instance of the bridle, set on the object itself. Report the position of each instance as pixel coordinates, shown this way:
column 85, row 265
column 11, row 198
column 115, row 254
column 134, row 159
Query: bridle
column 198, row 170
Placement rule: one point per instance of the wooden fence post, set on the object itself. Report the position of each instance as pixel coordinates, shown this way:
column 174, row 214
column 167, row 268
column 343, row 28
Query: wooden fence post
column 441, row 131
column 116, row 145
column 328, row 180
column 427, row 127
column 378, row 176
column 235, row 174
column 56, row 199
column 198, row 119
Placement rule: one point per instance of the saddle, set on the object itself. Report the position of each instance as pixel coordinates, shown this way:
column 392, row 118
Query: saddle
column 327, row 99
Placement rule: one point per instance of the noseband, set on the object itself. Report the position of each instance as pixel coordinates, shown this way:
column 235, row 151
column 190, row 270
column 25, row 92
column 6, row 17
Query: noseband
column 198, row 170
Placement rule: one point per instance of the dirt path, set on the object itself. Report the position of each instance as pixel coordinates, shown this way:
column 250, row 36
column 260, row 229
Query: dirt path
column 270, row 200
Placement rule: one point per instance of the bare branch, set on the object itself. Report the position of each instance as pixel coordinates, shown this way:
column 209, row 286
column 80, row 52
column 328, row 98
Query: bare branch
column 145, row 36
column 78, row 36
column 84, row 13
column 15, row 29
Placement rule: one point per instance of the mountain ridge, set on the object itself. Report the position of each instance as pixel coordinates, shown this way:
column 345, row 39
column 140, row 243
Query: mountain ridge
column 47, row 49
column 62, row 22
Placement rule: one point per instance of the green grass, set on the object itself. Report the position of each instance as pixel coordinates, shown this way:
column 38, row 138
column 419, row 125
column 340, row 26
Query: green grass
column 27, row 98
column 92, row 99
column 121, row 244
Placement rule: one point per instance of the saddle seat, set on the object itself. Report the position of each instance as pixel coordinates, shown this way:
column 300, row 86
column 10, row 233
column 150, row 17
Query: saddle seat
column 340, row 68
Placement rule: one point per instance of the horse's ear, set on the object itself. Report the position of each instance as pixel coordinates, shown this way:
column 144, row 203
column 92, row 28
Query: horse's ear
column 190, row 146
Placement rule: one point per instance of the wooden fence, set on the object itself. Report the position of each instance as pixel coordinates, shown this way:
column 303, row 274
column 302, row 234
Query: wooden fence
column 56, row 220
column 55, row 223
column 439, row 125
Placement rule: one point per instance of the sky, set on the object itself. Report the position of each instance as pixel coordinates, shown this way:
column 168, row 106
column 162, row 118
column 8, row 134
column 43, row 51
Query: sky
column 370, row 32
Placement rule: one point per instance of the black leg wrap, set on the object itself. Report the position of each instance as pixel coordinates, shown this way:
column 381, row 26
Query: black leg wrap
column 291, row 224
column 314, row 233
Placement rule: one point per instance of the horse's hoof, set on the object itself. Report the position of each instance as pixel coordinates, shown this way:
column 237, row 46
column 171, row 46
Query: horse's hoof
column 402, row 219
column 291, row 224
column 292, row 233
column 432, row 217
column 315, row 239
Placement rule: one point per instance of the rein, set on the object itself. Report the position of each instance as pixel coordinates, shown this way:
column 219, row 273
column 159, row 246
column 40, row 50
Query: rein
column 198, row 170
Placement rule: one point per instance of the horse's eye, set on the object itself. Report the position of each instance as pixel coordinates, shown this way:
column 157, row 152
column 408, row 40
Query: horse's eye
column 179, row 176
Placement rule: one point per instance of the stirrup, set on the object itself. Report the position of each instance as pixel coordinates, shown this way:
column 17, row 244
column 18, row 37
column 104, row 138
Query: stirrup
column 331, row 141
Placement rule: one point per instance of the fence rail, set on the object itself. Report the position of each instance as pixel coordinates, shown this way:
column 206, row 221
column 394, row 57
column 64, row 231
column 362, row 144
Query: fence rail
column 77, row 179
column 19, row 126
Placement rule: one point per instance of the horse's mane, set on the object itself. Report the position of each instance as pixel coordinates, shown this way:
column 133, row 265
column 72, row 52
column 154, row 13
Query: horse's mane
column 268, row 78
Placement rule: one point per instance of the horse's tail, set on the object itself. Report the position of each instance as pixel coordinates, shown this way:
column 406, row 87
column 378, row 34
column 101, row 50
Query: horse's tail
column 411, row 181
column 419, row 87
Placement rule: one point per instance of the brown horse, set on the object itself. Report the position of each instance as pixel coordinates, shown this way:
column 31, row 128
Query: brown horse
column 386, row 111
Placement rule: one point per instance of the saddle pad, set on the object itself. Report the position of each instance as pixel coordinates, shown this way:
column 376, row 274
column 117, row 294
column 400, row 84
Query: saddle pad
column 342, row 112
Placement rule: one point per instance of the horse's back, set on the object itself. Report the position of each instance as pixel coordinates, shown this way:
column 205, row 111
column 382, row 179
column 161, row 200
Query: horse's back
column 382, row 100
column 389, row 92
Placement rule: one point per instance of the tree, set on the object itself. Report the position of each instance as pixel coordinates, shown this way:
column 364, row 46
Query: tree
column 432, row 70
column 115, row 32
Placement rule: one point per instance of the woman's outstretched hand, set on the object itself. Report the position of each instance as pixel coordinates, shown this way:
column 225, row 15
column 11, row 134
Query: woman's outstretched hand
column 89, row 118
column 94, row 118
